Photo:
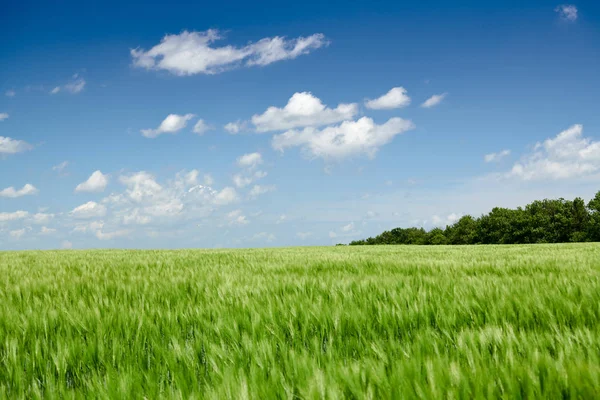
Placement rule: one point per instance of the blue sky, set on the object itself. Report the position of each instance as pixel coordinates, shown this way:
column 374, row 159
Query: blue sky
column 321, row 123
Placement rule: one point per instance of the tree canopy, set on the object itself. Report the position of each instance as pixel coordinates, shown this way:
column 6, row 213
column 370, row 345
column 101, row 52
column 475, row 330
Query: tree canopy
column 542, row 221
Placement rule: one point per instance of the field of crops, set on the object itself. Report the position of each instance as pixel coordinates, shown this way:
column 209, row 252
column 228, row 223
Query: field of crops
column 339, row 322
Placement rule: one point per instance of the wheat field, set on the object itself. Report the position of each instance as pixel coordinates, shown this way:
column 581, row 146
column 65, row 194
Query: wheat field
column 302, row 323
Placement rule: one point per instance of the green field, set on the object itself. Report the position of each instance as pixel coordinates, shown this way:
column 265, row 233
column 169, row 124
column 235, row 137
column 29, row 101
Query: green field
column 338, row 322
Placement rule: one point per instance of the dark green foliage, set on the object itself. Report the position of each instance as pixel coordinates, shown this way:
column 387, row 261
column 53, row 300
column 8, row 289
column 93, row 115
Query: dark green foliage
column 543, row 221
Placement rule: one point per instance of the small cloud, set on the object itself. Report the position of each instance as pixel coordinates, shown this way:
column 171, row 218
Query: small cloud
column 10, row 93
column 236, row 217
column 434, row 100
column 17, row 234
column 304, row 235
column 172, row 124
column 11, row 192
column 202, row 127
column 495, row 157
column 13, row 146
column 235, row 127
column 90, row 209
column 332, row 234
column 60, row 167
column 47, row 231
column 348, row 228
column 567, row 12
column 3, row 116
column 395, row 98
column 75, row 86
column 250, row 160
column 258, row 190
column 66, row 245
column 190, row 53
column 95, row 183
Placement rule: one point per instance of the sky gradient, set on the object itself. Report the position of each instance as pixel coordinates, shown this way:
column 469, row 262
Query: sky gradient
column 173, row 126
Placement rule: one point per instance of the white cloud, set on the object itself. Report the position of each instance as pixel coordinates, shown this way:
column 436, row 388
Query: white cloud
column 302, row 110
column 258, row 190
column 17, row 234
column 236, row 217
column 347, row 139
column 75, row 86
column 250, row 160
column 135, row 217
column 493, row 157
column 569, row 155
column 172, row 124
column 13, row 146
column 66, row 245
column 304, row 235
column 11, row 192
column 191, row 53
column 395, row 98
column 226, row 196
column 42, row 218
column 3, row 116
column 434, row 100
column 241, row 181
column 47, row 231
column 95, row 183
column 282, row 218
column 567, row 12
column 60, row 167
column 202, row 127
column 332, row 234
column 111, row 235
column 10, row 93
column 91, row 209
column 235, row 127
column 265, row 236
column 208, row 180
column 348, row 228
column 13, row 216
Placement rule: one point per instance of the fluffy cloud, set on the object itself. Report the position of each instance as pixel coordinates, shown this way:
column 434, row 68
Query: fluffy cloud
column 101, row 235
column 17, row 234
column 304, row 235
column 191, row 53
column 91, row 209
column 235, row 127
column 258, row 190
column 264, row 236
column 347, row 139
column 13, row 146
column 10, row 93
column 47, row 231
column 201, row 127
column 41, row 218
column 13, row 216
column 493, row 157
column 568, row 155
column 95, row 183
column 3, row 116
column 250, row 160
column 302, row 110
column 395, row 98
column 236, row 217
column 226, row 196
column 567, row 12
column 75, row 86
column 11, row 192
column 348, row 228
column 434, row 100
column 172, row 124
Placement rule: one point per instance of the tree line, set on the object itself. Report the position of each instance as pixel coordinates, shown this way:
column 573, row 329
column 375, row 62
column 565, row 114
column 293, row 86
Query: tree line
column 542, row 221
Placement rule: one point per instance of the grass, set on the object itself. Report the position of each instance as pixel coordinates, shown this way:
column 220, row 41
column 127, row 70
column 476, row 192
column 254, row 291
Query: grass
column 339, row 322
